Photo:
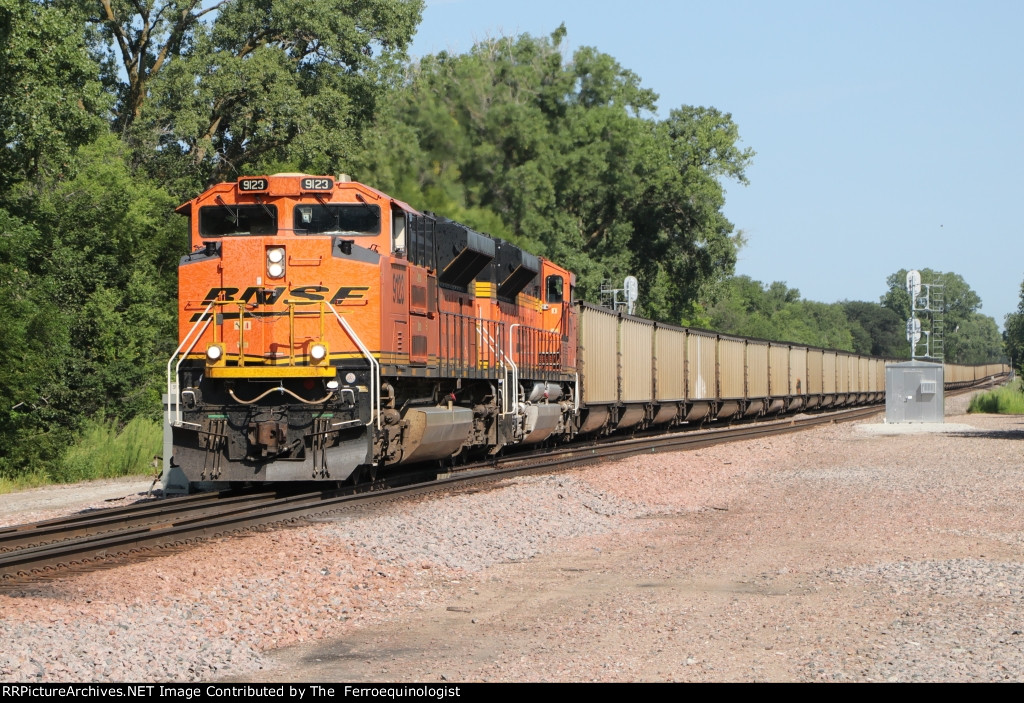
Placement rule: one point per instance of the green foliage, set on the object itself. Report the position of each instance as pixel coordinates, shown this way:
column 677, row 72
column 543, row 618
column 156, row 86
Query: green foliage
column 51, row 98
column 749, row 308
column 36, row 339
column 1013, row 336
column 568, row 161
column 960, row 299
column 876, row 330
column 975, row 340
column 105, row 451
column 109, row 267
column 24, row 481
column 207, row 92
column 1007, row 400
column 91, row 288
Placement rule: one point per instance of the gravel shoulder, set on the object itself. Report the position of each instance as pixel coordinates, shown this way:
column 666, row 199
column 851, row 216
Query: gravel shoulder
column 836, row 554
column 55, row 501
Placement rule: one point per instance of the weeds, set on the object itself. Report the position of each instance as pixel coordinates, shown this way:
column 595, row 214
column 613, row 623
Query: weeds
column 103, row 452
column 22, row 482
column 1007, row 400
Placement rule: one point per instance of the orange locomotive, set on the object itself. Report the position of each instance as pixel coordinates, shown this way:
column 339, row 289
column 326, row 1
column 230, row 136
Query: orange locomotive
column 328, row 330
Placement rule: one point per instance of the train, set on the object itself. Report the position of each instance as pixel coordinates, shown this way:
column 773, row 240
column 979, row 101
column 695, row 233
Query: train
column 329, row 332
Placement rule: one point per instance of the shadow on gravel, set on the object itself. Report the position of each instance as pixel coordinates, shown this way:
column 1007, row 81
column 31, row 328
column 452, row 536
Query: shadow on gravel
column 989, row 434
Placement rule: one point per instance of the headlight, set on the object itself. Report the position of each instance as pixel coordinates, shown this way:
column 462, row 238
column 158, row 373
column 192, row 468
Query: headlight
column 213, row 352
column 275, row 262
column 318, row 352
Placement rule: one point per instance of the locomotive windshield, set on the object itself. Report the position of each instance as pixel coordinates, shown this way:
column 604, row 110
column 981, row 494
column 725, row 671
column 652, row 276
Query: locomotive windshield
column 350, row 218
column 237, row 220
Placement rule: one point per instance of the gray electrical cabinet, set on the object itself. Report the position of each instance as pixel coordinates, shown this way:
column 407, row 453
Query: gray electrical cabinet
column 913, row 392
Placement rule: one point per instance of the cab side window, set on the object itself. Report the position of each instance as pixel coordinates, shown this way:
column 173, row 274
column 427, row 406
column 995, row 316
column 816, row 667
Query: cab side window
column 554, row 289
column 397, row 231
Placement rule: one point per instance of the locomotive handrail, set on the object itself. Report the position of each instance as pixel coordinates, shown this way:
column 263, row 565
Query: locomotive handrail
column 576, row 394
column 374, row 366
column 499, row 355
column 491, row 344
column 172, row 385
column 291, row 304
column 515, row 369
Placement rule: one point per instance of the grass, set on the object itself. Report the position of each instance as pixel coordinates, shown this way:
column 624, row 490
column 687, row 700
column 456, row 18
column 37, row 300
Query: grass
column 103, row 451
column 1007, row 400
column 24, row 482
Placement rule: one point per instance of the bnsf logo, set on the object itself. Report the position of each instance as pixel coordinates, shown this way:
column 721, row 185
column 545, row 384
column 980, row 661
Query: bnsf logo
column 268, row 296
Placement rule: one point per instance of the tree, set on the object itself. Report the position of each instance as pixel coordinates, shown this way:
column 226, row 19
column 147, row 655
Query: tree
column 1013, row 335
column 36, row 338
column 89, row 318
column 876, row 330
column 239, row 83
column 749, row 308
column 109, row 266
column 569, row 158
column 976, row 341
column 51, row 98
column 51, row 104
column 960, row 299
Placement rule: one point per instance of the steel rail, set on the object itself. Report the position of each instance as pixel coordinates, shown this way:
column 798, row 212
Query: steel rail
column 107, row 520
column 684, row 441
column 170, row 533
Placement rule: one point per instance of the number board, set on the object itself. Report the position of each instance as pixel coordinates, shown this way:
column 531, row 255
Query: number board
column 318, row 183
column 253, row 185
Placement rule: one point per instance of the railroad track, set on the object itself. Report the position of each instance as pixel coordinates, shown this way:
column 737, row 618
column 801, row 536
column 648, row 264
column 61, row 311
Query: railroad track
column 141, row 515
column 154, row 527
column 80, row 540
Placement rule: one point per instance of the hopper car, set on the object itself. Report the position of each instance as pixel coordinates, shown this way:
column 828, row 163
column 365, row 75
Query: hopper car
column 328, row 331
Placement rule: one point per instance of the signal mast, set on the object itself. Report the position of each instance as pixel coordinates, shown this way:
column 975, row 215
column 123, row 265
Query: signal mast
column 629, row 293
column 929, row 298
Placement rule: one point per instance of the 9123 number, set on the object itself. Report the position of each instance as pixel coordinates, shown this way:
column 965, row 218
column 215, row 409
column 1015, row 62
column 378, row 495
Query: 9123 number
column 317, row 183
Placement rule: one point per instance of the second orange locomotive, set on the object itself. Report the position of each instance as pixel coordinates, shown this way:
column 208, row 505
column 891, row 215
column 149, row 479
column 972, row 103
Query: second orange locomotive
column 328, row 330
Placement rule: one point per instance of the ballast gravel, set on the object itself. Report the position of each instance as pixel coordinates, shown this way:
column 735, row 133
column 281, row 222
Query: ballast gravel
column 835, row 554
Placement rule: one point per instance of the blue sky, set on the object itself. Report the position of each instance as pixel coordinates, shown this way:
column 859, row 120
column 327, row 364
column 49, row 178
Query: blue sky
column 888, row 134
